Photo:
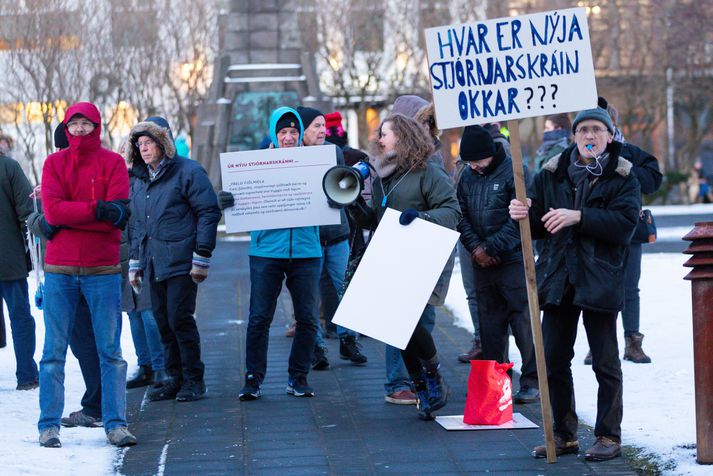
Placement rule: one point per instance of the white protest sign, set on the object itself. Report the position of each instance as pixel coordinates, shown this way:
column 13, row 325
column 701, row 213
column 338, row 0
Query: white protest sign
column 511, row 68
column 395, row 278
column 278, row 188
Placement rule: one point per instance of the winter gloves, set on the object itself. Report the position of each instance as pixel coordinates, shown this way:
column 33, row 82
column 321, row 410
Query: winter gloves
column 116, row 212
column 408, row 215
column 47, row 229
column 482, row 259
column 225, row 199
column 199, row 269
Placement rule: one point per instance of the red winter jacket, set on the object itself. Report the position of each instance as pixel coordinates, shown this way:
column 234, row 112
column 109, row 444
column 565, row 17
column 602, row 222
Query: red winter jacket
column 73, row 180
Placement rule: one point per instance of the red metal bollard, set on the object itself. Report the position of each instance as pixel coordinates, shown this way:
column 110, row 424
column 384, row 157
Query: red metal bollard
column 702, row 293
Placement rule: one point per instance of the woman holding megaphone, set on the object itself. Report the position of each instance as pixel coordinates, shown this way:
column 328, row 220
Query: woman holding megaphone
column 406, row 181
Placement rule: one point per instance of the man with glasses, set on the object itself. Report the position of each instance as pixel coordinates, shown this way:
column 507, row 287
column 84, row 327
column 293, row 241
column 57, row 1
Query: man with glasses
column 85, row 191
column 584, row 203
column 173, row 233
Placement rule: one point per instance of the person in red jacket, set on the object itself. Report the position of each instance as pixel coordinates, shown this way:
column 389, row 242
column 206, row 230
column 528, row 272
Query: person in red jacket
column 85, row 190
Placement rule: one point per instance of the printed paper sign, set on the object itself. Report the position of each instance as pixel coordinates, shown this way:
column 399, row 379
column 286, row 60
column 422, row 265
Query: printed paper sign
column 455, row 422
column 395, row 278
column 511, row 68
column 278, row 188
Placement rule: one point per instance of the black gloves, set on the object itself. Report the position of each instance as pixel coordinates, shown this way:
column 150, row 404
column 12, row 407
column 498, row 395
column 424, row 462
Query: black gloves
column 408, row 215
column 47, row 229
column 116, row 212
column 225, row 199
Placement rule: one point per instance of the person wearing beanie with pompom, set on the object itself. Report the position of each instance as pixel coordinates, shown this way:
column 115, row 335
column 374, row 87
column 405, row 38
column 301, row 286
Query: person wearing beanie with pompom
column 584, row 204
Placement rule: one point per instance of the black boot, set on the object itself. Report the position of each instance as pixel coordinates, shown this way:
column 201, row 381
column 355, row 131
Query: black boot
column 142, row 378
column 437, row 390
column 349, row 350
column 420, row 388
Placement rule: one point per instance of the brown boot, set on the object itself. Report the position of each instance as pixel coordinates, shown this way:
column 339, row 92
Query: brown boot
column 604, row 449
column 633, row 350
column 475, row 352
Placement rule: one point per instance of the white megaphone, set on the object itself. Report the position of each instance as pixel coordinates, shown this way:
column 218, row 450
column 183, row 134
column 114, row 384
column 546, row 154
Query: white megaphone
column 343, row 184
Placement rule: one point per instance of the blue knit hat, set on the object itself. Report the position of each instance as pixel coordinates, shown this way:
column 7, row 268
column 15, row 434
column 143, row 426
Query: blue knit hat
column 596, row 114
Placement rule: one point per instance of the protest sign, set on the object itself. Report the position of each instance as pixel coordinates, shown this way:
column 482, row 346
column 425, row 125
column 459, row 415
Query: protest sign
column 278, row 188
column 511, row 68
column 395, row 278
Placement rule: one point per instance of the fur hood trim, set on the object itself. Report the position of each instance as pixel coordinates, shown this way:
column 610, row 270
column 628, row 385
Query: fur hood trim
column 159, row 134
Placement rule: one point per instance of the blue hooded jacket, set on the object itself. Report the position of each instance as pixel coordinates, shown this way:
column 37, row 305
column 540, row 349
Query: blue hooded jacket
column 286, row 243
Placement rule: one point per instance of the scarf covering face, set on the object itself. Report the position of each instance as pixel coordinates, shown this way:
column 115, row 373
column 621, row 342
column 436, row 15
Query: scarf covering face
column 385, row 165
column 551, row 138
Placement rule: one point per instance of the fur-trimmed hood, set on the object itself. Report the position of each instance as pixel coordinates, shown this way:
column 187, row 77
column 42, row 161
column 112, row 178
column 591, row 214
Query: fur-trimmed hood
column 150, row 128
column 620, row 166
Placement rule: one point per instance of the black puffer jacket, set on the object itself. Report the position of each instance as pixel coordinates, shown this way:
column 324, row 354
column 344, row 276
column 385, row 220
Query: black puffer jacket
column 484, row 201
column 591, row 254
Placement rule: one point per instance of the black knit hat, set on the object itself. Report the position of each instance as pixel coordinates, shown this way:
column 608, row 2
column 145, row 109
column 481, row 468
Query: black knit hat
column 476, row 144
column 287, row 120
column 308, row 114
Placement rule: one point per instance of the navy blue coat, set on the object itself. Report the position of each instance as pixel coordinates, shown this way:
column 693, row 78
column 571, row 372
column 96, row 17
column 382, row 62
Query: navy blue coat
column 173, row 215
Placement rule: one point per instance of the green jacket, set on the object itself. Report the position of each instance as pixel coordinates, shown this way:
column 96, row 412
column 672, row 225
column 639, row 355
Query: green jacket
column 15, row 207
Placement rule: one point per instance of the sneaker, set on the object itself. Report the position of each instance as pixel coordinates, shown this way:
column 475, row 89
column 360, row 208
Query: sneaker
column 166, row 390
column 251, row 390
column 28, row 385
column 49, row 438
column 79, row 418
column 142, row 378
column 402, row 397
column 121, row 436
column 526, row 394
column 191, row 390
column 604, row 449
column 349, row 349
column 319, row 360
column 562, row 447
column 475, row 352
column 299, row 387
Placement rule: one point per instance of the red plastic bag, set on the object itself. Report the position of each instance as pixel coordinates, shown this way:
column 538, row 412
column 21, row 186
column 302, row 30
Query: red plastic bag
column 489, row 399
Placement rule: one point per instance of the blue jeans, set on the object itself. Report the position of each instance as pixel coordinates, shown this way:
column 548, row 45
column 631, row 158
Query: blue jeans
column 103, row 296
column 397, row 378
column 334, row 262
column 266, row 276
column 22, row 324
column 147, row 339
column 84, row 348
column 467, row 274
column 632, row 274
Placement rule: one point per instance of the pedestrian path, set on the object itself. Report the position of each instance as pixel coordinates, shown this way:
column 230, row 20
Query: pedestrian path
column 347, row 428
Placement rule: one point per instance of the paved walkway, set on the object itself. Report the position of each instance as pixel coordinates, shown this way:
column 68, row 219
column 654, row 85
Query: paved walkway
column 347, row 428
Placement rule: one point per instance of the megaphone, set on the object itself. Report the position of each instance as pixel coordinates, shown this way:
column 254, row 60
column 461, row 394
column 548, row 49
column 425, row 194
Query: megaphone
column 343, row 184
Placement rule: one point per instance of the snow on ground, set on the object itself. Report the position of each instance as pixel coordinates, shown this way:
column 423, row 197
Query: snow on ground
column 85, row 451
column 659, row 400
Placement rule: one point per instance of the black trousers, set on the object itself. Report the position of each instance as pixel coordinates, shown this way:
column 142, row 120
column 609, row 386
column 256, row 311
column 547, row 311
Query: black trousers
column 174, row 304
column 502, row 301
column 559, row 328
column 420, row 348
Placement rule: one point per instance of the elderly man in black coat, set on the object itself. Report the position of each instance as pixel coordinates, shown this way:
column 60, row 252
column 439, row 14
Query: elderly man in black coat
column 584, row 204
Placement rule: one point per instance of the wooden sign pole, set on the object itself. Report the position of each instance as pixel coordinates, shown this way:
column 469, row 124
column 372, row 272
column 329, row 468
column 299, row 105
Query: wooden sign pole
column 529, row 260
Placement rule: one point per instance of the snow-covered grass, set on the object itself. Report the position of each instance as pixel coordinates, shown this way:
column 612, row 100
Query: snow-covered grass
column 85, row 451
column 659, row 404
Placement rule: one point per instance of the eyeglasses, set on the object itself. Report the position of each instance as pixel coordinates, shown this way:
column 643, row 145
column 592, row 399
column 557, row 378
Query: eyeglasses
column 82, row 124
column 147, row 143
column 594, row 130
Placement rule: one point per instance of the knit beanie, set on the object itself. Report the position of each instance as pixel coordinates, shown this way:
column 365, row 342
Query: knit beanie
column 476, row 144
column 287, row 120
column 596, row 114
column 307, row 114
